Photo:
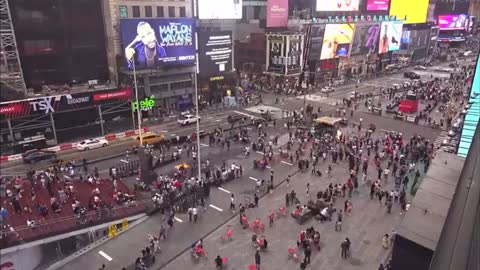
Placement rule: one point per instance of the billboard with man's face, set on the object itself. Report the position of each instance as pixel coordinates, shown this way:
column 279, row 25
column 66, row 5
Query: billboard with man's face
column 152, row 43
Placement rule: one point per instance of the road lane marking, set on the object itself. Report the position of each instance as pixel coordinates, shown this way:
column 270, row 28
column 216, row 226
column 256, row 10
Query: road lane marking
column 218, row 120
column 202, row 144
column 246, row 114
column 288, row 163
column 261, row 153
column 268, row 167
column 177, row 219
column 224, row 190
column 123, row 160
column 105, row 255
column 249, row 128
column 253, row 178
column 216, row 207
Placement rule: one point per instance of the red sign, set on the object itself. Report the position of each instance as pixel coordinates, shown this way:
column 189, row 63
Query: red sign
column 124, row 94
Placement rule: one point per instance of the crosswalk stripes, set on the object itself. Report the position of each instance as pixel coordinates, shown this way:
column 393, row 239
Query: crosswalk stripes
column 321, row 99
column 439, row 140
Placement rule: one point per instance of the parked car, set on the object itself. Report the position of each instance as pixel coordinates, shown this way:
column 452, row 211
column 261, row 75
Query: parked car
column 92, row 144
column 38, row 155
column 327, row 89
column 411, row 75
column 188, row 119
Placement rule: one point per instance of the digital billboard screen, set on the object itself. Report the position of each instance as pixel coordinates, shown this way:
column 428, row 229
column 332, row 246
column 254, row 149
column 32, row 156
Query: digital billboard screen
column 216, row 54
column 277, row 13
column 152, row 43
column 453, row 22
column 219, row 9
column 336, row 39
column 415, row 10
column 365, row 39
column 339, row 5
column 374, row 5
column 316, row 38
column 390, row 36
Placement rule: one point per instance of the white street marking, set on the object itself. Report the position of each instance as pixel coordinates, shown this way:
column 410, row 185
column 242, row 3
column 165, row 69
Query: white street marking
column 224, row 190
column 253, row 178
column 123, row 160
column 288, row 163
column 105, row 255
column 249, row 128
column 218, row 120
column 258, row 152
column 268, row 167
column 216, row 207
column 177, row 219
column 202, row 144
column 246, row 114
column 164, row 131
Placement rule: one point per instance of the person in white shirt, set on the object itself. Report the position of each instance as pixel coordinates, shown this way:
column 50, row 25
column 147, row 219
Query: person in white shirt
column 195, row 214
column 232, row 203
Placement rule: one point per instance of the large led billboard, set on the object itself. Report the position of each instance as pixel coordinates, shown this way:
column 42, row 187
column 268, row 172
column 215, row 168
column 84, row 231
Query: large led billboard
column 365, row 40
column 453, row 22
column 390, row 36
column 415, row 10
column 374, row 5
column 219, row 9
column 338, row 5
column 277, row 13
column 152, row 43
column 337, row 40
column 215, row 52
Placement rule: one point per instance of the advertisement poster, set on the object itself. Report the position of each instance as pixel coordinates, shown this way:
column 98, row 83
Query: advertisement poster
column 337, row 40
column 68, row 102
column 374, row 5
column 277, row 54
column 338, row 5
column 277, row 13
column 215, row 56
column 390, row 36
column 316, row 38
column 419, row 38
column 453, row 22
column 152, row 43
column 415, row 10
column 295, row 52
column 365, row 39
column 219, row 9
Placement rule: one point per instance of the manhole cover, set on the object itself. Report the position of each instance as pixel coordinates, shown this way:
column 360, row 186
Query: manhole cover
column 355, row 262
column 366, row 242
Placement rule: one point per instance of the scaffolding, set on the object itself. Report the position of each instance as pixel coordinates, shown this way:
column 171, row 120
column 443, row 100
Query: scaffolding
column 10, row 68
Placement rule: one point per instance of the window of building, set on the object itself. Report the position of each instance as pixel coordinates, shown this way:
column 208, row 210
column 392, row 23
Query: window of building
column 256, row 12
column 123, row 11
column 148, row 11
column 183, row 12
column 171, row 12
column 160, row 12
column 181, row 85
column 136, row 11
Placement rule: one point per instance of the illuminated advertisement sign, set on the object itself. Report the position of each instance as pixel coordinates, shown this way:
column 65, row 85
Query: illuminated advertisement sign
column 338, row 5
column 51, row 104
column 414, row 10
column 215, row 52
column 337, row 40
column 219, row 9
column 405, row 40
column 390, row 36
column 277, row 13
column 365, row 39
column 471, row 120
column 373, row 5
column 152, row 43
column 453, row 22
column 316, row 38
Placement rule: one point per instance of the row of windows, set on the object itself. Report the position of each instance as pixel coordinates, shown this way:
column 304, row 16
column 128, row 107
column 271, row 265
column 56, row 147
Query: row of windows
column 149, row 12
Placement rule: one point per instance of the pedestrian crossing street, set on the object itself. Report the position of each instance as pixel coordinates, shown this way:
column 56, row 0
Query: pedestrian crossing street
column 438, row 142
column 321, row 99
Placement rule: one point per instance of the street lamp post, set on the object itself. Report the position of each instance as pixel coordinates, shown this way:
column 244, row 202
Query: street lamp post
column 198, row 126
column 139, row 117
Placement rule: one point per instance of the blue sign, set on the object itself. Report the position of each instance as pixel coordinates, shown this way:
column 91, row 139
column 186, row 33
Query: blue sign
column 152, row 43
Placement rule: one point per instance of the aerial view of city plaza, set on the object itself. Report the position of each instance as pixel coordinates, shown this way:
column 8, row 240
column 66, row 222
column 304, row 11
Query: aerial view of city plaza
column 239, row 134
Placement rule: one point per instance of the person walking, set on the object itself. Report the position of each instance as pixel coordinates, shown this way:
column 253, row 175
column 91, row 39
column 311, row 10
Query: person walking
column 257, row 260
column 308, row 189
column 162, row 233
column 344, row 247
column 308, row 253
column 232, row 203
column 256, row 199
column 195, row 214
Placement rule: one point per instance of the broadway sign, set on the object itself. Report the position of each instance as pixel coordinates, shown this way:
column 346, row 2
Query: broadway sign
column 51, row 104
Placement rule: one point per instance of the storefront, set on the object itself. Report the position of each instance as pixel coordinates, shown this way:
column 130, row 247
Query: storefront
column 57, row 117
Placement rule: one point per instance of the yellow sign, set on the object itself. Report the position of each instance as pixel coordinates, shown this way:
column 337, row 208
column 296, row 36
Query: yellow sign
column 124, row 224
column 112, row 231
column 402, row 8
column 217, row 78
